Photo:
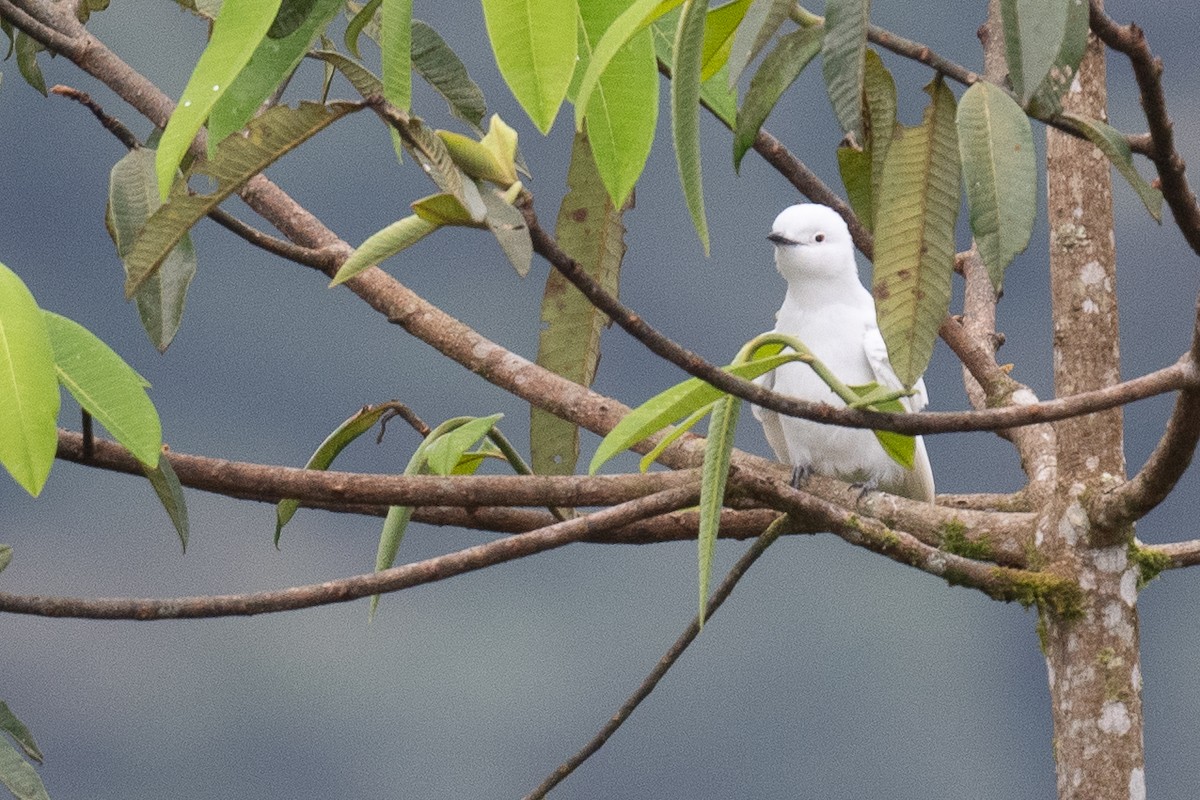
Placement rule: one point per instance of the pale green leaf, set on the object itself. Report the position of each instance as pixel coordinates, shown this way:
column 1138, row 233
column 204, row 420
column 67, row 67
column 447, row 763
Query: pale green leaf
column 720, row 27
column 354, row 28
column 762, row 20
column 442, row 69
column 999, row 173
column 445, row 452
column 1115, row 147
column 507, row 224
column 476, row 160
column 715, row 93
column 238, row 29
column 1036, row 32
column 396, row 47
column 14, row 727
column 535, row 46
column 914, row 235
column 395, row 524
column 29, row 396
column 170, row 493
column 714, row 475
column 275, row 58
column 383, row 245
column 132, row 198
column 18, row 776
column 27, row 64
column 442, row 209
column 685, row 111
column 238, row 158
column 501, row 141
column 590, row 230
column 843, row 51
column 1047, row 97
column 777, row 72
column 106, row 387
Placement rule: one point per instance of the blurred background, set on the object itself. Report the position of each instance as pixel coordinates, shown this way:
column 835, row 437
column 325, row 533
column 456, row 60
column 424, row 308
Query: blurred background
column 831, row 672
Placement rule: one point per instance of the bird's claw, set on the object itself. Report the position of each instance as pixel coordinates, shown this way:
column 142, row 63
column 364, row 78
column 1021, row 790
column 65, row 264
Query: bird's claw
column 865, row 488
column 800, row 474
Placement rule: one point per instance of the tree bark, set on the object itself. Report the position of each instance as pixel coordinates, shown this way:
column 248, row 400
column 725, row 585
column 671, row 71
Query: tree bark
column 1091, row 655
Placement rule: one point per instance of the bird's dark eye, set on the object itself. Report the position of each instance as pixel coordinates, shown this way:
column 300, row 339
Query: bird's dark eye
column 820, row 237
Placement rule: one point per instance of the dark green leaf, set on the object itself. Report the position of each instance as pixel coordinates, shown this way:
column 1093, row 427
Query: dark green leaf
column 762, row 20
column 843, row 51
column 1036, row 32
column 442, row 69
column 170, row 493
column 854, row 165
column 6, row 552
column 361, row 19
column 362, row 79
column 291, row 15
column 16, row 729
column 777, row 72
column 27, row 63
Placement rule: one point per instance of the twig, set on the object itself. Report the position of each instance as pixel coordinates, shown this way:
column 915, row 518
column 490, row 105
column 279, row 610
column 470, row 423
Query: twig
column 765, row 540
column 345, row 589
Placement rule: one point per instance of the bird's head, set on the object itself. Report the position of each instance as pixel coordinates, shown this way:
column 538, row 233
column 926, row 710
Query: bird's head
column 812, row 241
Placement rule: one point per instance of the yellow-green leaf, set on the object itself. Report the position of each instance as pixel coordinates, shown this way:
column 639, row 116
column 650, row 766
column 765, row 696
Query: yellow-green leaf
column 396, row 47
column 169, row 490
column 535, row 46
column 383, row 245
column 720, row 27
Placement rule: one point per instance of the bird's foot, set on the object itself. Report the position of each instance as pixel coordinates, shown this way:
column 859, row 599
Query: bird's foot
column 800, row 474
column 865, row 488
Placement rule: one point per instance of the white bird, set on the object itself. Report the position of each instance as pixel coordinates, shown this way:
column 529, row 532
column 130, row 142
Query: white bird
column 828, row 309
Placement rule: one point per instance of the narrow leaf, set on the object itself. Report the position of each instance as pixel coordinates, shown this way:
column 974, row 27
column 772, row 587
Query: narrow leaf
column 396, row 46
column 442, row 69
column 715, row 93
column 238, row 29
column 535, row 46
column 29, row 396
column 720, row 26
column 275, row 58
column 1113, row 144
column 589, row 229
column 714, row 475
column 914, row 235
column 18, row 776
column 901, row 448
column 383, row 245
column 507, row 224
column 132, row 198
column 445, row 452
column 762, row 20
column 170, row 493
column 354, row 28
column 27, row 64
column 6, row 553
column 1000, row 175
column 685, row 111
column 675, row 434
column 238, row 158
column 365, row 82
column 777, row 72
column 16, row 729
column 395, row 524
column 843, row 51
column 879, row 124
column 854, row 165
column 105, row 386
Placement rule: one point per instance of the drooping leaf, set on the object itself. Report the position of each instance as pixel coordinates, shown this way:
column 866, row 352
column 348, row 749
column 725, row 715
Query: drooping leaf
column 170, row 493
column 622, row 113
column 29, row 396
column 1035, row 32
column 383, row 245
column 5, row 556
column 17, row 730
column 879, row 124
column 673, row 404
column 507, row 224
column 843, row 51
column 777, row 72
column 762, row 20
column 715, row 93
column 714, row 475
column 589, row 229
column 1047, row 97
column 365, row 82
column 535, row 46
column 27, row 64
column 358, row 23
column 444, row 453
column 685, row 111
column 237, row 159
column 275, row 58
column 676, row 433
column 396, row 47
column 854, row 165
column 18, row 776
column 720, row 27
column 999, row 173
column 236, row 32
column 395, row 524
column 914, row 235
column 132, row 198
column 442, row 69
column 1115, row 147
column 105, row 386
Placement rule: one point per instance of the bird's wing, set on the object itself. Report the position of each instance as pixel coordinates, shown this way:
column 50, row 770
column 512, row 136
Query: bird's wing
column 877, row 357
column 772, row 425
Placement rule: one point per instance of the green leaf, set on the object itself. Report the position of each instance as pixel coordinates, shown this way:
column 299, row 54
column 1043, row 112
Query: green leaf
column 362, row 421
column 362, row 79
column 1113, row 144
column 675, row 403
column 6, row 553
column 29, row 396
column 445, row 452
column 714, row 475
column 442, row 209
column 685, row 111
column 535, row 46
column 18, row 776
column 879, row 123
column 476, row 160
column 1047, row 98
column 15, row 728
column 170, row 493
column 238, row 29
column 762, row 20
column 901, row 448
column 854, row 165
column 720, row 27
column 1041, row 35
column 396, row 47
column 106, row 387
column 27, row 64
column 132, row 198
column 507, row 224
column 275, row 58
column 354, row 28
column 383, row 245
column 777, row 72
column 501, row 141
column 622, row 113
column 676, row 432
column 238, row 158
column 914, row 235
column 442, row 69
column 843, row 52
column 589, row 229
column 1000, row 175
column 715, row 93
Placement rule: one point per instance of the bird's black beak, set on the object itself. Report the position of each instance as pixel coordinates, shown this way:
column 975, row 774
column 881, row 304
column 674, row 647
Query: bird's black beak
column 779, row 238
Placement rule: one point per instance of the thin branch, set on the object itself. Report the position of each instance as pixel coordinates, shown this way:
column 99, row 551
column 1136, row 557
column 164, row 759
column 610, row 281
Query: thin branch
column 345, row 589
column 1176, row 554
column 765, row 540
column 44, row 32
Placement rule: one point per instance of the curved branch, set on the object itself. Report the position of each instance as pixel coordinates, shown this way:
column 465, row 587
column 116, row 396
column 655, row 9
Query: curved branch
column 345, row 589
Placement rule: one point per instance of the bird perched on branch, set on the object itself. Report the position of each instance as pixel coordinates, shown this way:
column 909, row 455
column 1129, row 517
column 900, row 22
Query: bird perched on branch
column 828, row 309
